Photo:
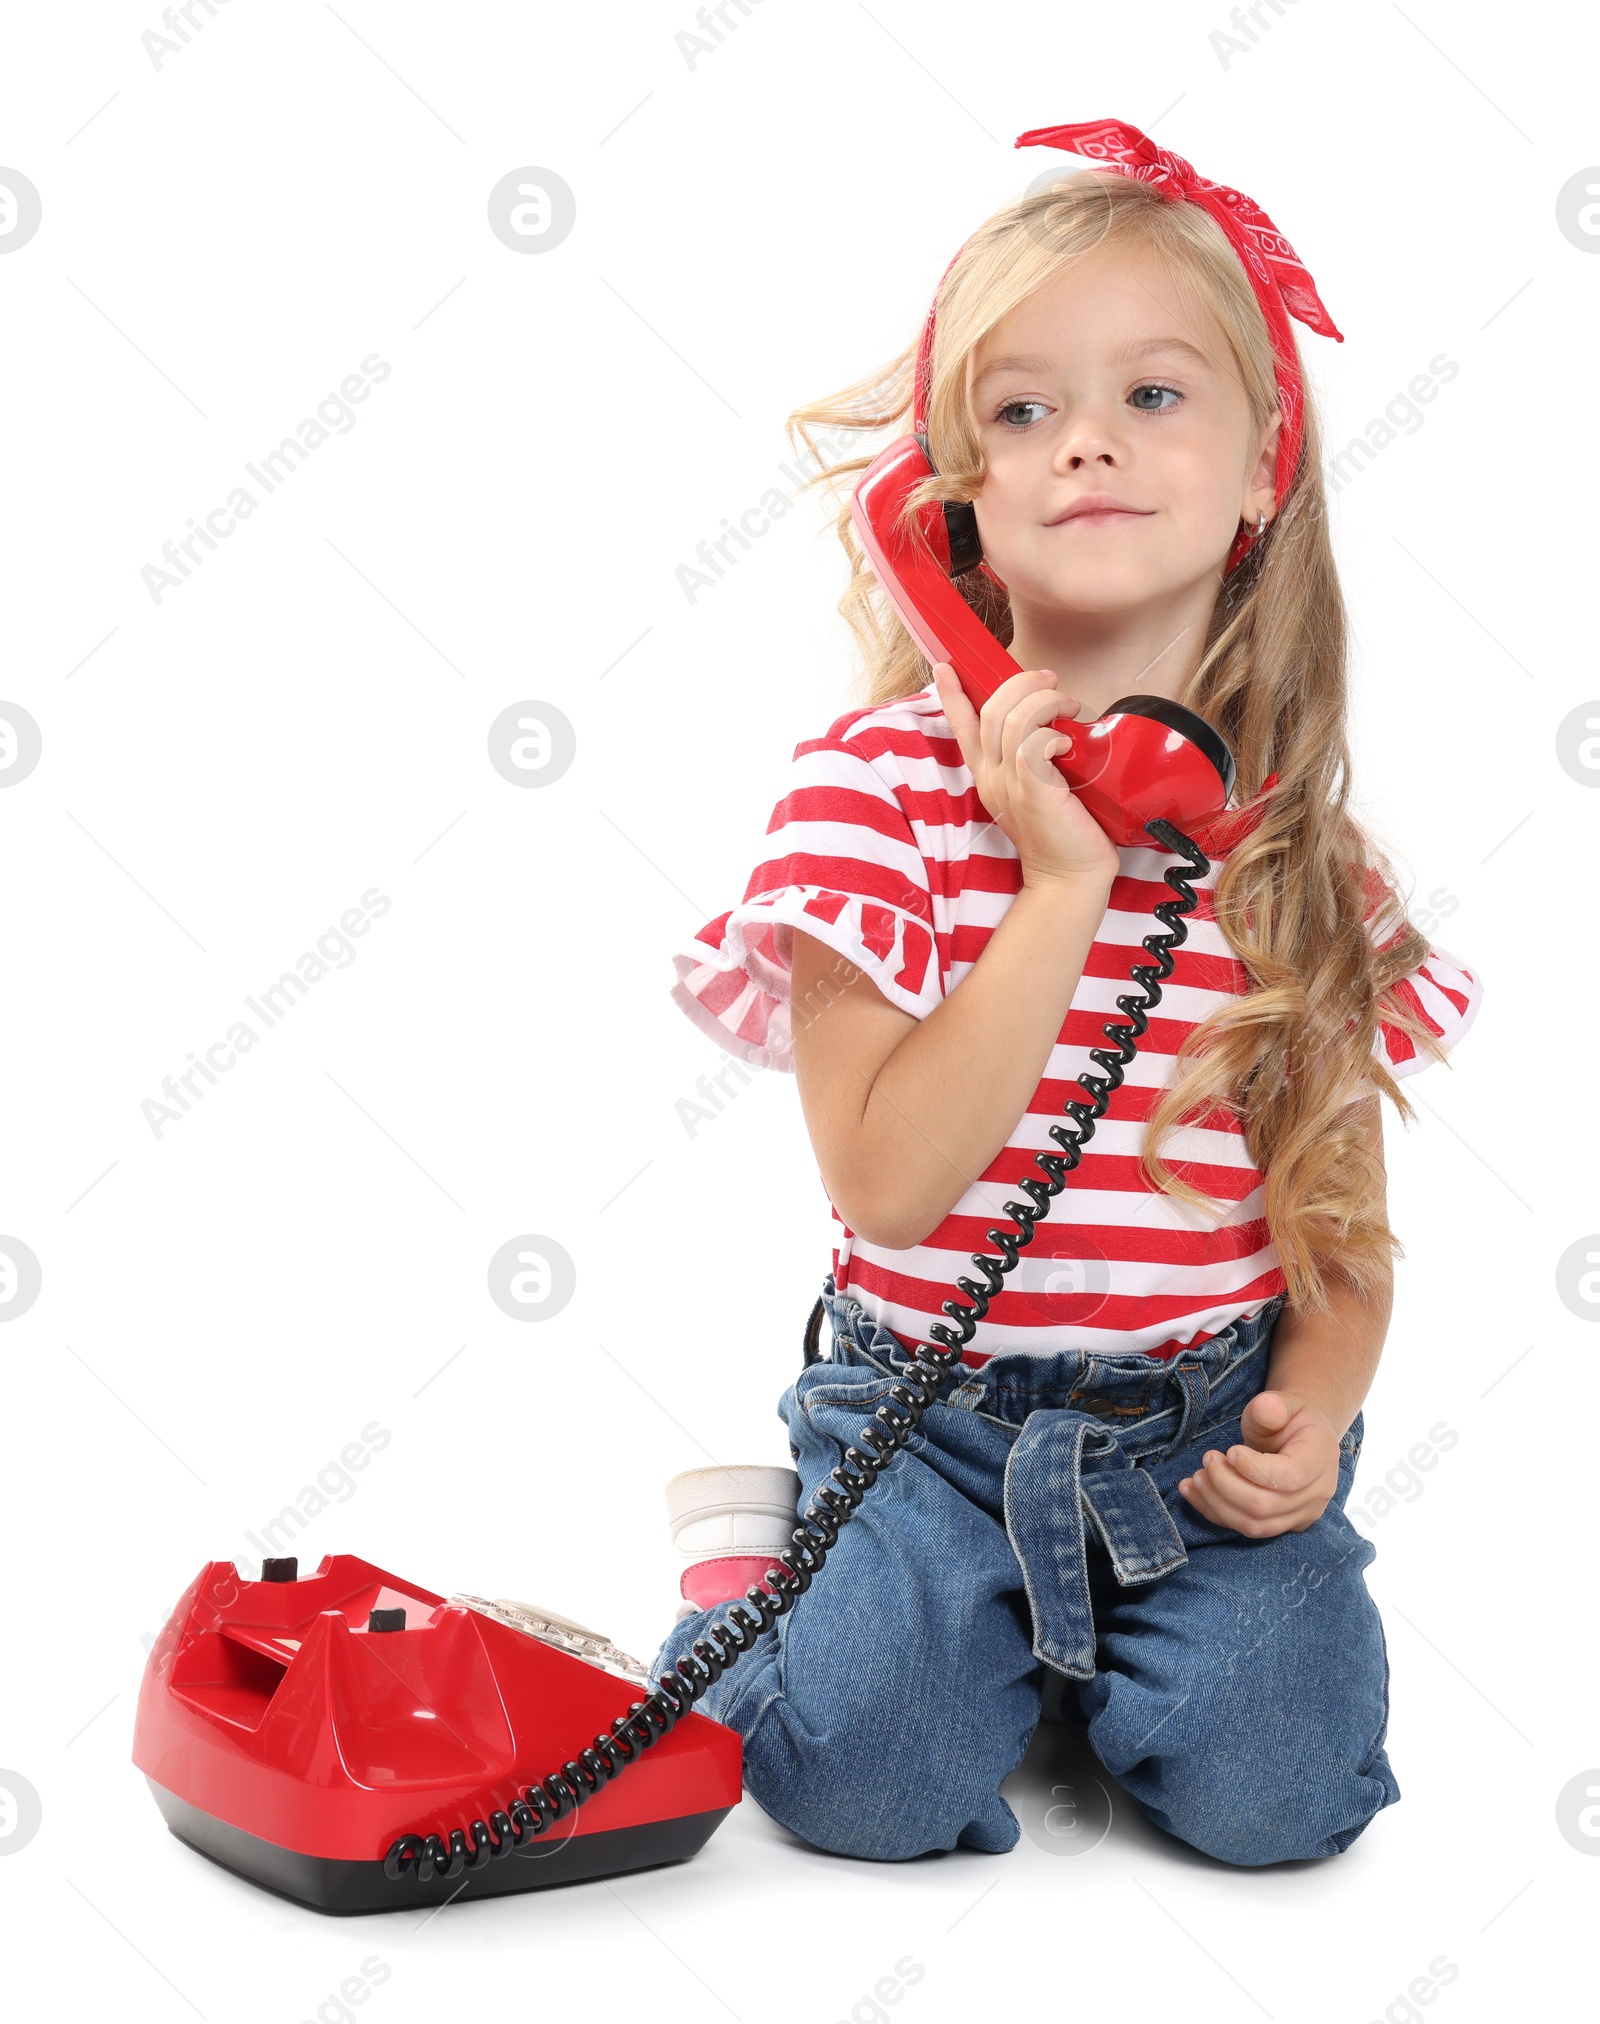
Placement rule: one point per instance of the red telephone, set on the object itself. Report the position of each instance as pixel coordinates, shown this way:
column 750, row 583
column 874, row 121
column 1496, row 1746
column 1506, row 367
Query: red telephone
column 1146, row 758
column 338, row 1739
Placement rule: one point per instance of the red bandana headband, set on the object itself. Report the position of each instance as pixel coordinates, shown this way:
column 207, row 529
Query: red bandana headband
column 1276, row 273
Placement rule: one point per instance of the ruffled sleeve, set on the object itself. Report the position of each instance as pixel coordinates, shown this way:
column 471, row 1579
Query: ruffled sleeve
column 842, row 863
column 1442, row 989
column 1447, row 994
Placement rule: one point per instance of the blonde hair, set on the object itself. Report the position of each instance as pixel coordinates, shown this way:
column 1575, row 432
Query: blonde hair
column 1291, row 900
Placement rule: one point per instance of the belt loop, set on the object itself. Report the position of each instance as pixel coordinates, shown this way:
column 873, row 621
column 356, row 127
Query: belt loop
column 1192, row 1382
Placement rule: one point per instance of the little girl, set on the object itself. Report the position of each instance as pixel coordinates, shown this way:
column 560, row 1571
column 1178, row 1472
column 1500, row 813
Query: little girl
column 1136, row 1475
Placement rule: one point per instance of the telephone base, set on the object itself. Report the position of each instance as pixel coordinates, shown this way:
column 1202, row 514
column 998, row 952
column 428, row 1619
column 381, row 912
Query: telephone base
column 348, row 1888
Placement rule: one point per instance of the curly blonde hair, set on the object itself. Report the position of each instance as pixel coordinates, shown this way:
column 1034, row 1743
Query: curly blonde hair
column 1294, row 897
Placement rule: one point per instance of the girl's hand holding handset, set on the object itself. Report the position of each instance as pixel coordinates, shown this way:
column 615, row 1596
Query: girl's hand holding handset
column 1010, row 751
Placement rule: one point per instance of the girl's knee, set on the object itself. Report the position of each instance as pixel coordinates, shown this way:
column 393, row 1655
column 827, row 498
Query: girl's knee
column 833, row 1783
column 1253, row 1839
column 881, row 1820
column 1271, row 1817
column 847, row 1777
column 1271, row 1788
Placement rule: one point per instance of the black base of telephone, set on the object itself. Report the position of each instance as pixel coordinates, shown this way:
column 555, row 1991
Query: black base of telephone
column 338, row 1887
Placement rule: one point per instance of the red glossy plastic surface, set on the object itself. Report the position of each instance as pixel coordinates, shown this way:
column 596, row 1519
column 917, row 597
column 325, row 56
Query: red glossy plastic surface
column 271, row 1706
column 1125, row 768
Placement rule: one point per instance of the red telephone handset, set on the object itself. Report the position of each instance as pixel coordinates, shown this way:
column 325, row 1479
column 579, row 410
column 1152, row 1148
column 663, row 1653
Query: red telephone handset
column 1146, row 758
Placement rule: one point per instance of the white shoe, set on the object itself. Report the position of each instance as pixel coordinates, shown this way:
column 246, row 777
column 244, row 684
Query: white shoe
column 729, row 1523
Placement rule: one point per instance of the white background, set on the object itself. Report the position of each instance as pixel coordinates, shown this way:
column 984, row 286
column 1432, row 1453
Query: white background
column 226, row 1306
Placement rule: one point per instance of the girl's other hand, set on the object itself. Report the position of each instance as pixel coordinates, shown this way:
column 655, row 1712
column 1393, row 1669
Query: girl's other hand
column 1281, row 1480
column 1010, row 750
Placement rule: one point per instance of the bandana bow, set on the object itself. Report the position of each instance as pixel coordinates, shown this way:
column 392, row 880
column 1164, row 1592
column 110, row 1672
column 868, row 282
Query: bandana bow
column 1282, row 285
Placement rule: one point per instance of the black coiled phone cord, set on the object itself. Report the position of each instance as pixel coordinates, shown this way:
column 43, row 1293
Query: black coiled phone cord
column 424, row 1858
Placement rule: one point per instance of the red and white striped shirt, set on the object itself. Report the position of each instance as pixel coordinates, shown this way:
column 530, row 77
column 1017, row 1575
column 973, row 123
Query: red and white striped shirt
column 882, row 850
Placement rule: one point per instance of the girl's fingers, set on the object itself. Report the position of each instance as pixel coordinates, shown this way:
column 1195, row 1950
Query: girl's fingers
column 958, row 703
column 991, row 739
column 992, row 722
column 1032, row 713
column 1197, row 1493
column 1283, row 1471
column 1253, row 1528
column 1233, row 1491
column 1234, row 1496
column 1202, row 1493
column 959, row 713
column 1037, row 750
column 1014, row 693
column 1193, row 1491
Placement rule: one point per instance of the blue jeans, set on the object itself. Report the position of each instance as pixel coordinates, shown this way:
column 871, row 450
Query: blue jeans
column 1237, row 1688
